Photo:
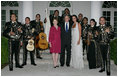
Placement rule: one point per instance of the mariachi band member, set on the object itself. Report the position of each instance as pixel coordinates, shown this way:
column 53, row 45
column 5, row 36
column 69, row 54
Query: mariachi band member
column 38, row 27
column 13, row 33
column 92, row 46
column 105, row 33
column 80, row 18
column 27, row 35
column 84, row 32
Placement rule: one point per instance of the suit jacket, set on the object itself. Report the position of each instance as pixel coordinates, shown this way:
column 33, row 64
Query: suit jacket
column 51, row 20
column 66, row 36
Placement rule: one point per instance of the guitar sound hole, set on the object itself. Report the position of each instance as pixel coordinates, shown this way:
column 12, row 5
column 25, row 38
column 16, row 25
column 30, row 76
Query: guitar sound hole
column 43, row 37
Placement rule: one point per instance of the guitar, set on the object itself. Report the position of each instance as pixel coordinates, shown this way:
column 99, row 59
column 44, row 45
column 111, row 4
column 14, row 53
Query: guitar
column 30, row 45
column 42, row 43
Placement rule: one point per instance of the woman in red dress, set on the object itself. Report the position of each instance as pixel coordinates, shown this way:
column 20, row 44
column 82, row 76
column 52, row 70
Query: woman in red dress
column 55, row 42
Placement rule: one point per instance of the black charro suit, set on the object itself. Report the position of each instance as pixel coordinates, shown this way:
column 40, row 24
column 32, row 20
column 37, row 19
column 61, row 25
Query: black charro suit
column 38, row 26
column 27, row 31
column 65, row 44
column 13, row 43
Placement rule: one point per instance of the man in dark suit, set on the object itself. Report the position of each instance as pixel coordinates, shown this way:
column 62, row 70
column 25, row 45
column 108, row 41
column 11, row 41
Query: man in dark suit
column 13, row 33
column 65, row 41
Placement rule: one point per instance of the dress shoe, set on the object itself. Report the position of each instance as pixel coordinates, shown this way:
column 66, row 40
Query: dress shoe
column 39, row 57
column 61, row 65
column 11, row 69
column 19, row 66
column 57, row 66
column 33, row 64
column 68, row 65
column 102, row 70
column 23, row 64
column 108, row 73
column 54, row 66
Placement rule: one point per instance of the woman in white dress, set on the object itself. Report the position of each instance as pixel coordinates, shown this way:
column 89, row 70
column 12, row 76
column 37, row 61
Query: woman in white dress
column 77, row 50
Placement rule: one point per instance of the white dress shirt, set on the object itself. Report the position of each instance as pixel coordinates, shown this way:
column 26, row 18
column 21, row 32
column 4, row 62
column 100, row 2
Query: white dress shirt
column 67, row 24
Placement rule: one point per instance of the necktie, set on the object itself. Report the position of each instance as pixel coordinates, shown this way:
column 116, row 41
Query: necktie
column 66, row 27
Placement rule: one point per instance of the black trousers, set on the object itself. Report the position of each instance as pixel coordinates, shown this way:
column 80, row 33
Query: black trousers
column 66, row 47
column 37, row 52
column 14, row 48
column 106, row 57
column 91, row 55
column 25, row 51
column 84, row 46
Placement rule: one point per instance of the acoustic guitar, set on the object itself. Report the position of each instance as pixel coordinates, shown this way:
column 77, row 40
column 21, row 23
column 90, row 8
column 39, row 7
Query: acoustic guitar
column 30, row 45
column 42, row 43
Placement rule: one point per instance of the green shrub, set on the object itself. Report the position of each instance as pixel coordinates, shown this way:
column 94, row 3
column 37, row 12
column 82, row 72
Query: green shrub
column 4, row 50
column 113, row 52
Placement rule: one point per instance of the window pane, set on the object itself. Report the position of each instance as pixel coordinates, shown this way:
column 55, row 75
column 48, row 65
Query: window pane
column 115, row 13
column 15, row 12
column 115, row 23
column 115, row 18
column 3, row 12
column 3, row 17
column 108, row 13
column 108, row 18
column 104, row 13
column 51, row 12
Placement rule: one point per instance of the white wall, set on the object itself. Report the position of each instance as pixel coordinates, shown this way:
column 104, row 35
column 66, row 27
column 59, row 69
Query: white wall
column 39, row 7
column 83, row 7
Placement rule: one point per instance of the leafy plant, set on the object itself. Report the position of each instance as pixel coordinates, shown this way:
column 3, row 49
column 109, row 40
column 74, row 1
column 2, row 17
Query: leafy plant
column 4, row 50
column 113, row 51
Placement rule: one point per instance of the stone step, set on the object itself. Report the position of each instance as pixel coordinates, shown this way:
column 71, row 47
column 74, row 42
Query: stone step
column 47, row 58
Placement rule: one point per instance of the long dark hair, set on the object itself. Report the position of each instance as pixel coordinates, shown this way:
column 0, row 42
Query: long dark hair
column 75, row 17
column 94, row 22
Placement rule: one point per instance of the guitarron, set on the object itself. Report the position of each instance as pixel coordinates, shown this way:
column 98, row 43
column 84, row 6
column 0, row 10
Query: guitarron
column 42, row 43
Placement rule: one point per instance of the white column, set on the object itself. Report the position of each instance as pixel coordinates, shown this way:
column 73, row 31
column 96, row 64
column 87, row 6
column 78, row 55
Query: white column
column 27, row 10
column 96, row 10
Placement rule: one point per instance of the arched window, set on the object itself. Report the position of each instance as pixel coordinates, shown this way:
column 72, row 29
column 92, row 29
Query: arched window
column 109, row 9
column 59, row 5
column 10, row 3
column 7, row 8
column 109, row 4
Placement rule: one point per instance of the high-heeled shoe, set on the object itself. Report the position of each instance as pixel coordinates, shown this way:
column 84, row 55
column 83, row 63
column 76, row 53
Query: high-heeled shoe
column 57, row 66
column 54, row 66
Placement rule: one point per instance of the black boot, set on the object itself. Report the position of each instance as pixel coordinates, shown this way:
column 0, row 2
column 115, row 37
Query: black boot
column 39, row 57
column 10, row 69
column 108, row 73
column 33, row 64
column 18, row 66
column 102, row 70
column 23, row 64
